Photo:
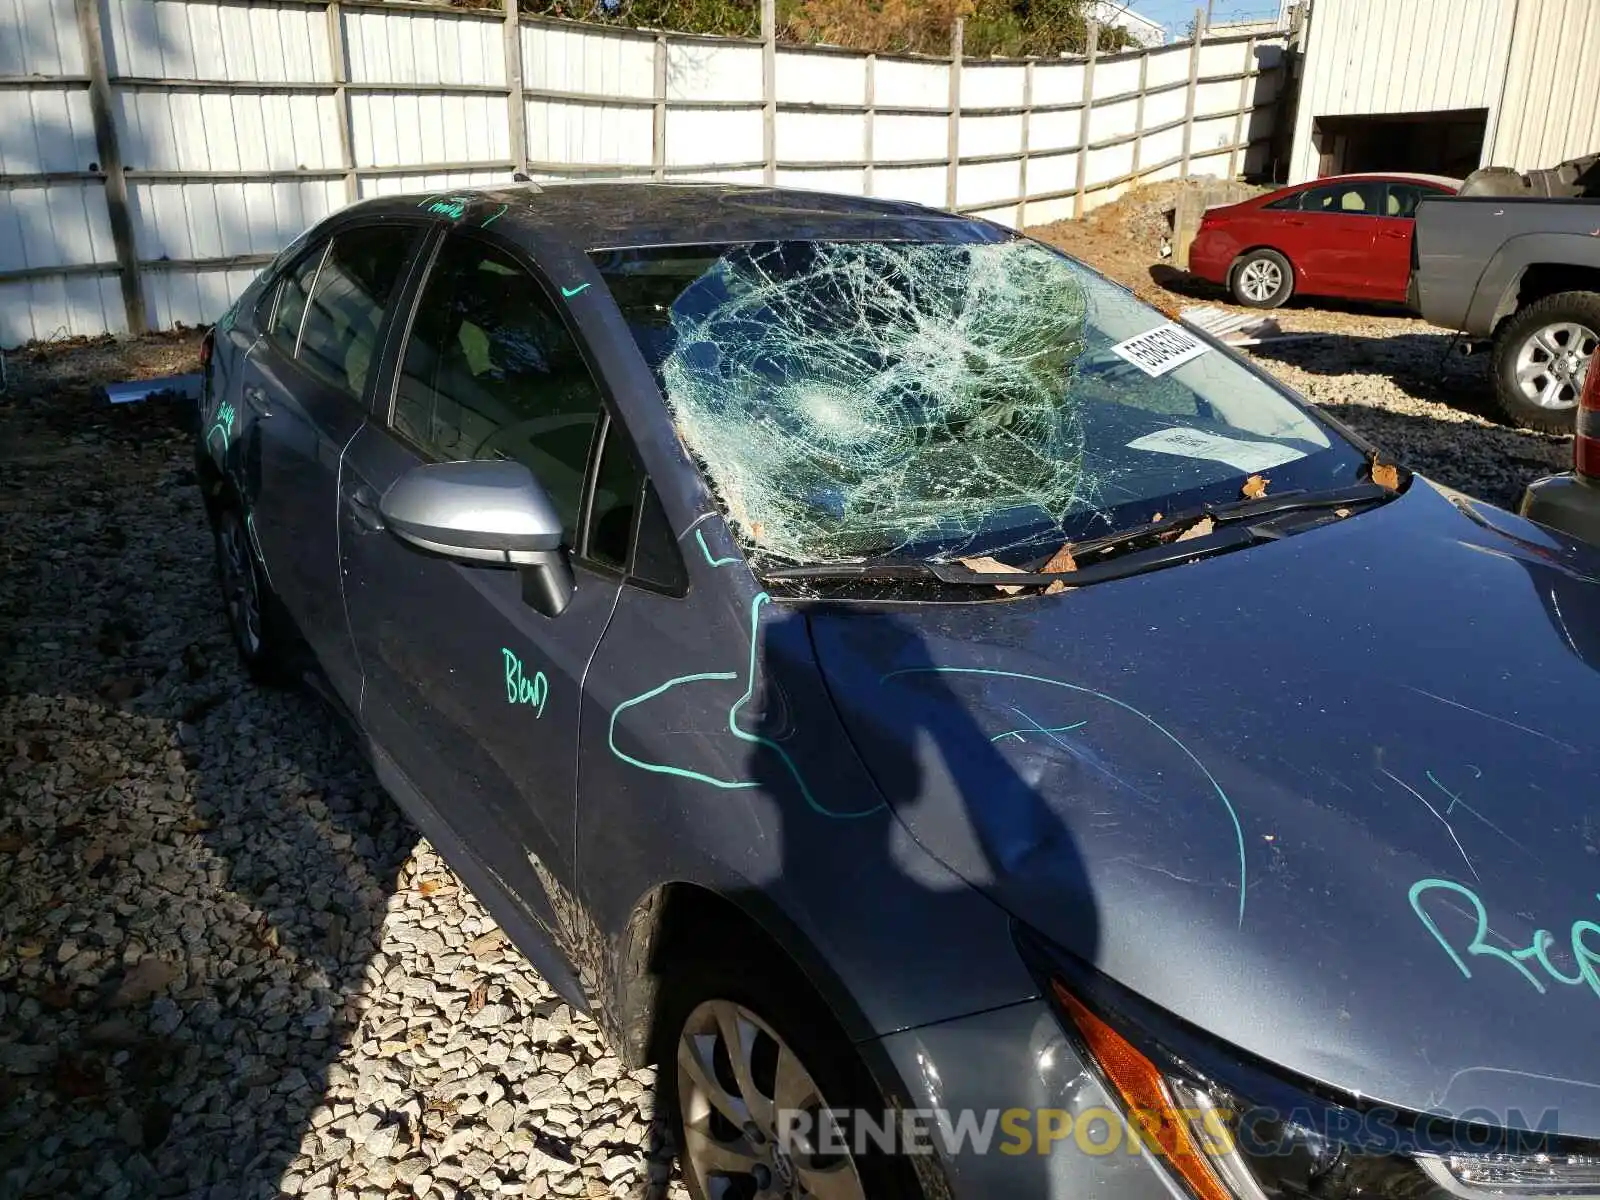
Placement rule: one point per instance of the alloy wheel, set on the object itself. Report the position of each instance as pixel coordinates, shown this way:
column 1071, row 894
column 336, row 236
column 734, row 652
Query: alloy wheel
column 1551, row 363
column 1260, row 279
column 735, row 1077
column 240, row 590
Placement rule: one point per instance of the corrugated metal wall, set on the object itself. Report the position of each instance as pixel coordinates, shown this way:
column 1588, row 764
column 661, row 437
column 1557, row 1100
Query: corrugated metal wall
column 1551, row 109
column 241, row 123
column 1533, row 64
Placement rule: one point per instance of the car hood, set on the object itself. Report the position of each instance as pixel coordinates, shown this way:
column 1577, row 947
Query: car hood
column 1322, row 797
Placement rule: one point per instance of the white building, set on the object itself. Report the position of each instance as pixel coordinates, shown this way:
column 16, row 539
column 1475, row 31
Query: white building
column 1141, row 29
column 1446, row 85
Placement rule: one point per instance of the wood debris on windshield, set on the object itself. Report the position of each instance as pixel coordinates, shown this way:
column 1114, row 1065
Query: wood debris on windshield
column 993, row 566
column 1254, row 488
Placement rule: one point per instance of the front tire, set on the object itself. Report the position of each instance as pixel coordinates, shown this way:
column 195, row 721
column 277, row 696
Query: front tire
column 255, row 616
column 744, row 1047
column 1540, row 357
column 1262, row 279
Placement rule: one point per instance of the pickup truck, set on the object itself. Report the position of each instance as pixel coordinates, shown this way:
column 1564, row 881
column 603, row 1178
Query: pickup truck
column 1521, row 271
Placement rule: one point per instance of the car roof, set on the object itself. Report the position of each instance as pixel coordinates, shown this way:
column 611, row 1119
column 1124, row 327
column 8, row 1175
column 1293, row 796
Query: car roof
column 615, row 214
column 1380, row 177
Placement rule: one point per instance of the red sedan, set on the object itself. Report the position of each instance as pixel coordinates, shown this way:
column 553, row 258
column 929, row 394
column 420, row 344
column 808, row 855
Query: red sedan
column 1346, row 235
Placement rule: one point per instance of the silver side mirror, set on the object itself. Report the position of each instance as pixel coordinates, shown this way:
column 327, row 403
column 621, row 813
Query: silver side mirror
column 489, row 511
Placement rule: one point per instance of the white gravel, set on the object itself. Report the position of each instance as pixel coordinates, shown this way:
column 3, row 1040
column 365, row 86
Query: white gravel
column 228, row 967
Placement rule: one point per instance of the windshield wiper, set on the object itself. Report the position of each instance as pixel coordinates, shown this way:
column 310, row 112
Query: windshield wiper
column 1118, row 555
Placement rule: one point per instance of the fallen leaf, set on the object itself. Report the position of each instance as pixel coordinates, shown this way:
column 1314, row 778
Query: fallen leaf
column 486, row 944
column 1199, row 529
column 148, row 977
column 428, row 887
column 1386, row 475
column 1155, row 520
column 479, row 996
column 1341, row 512
column 1254, row 488
column 30, row 950
column 1056, row 588
column 1060, row 562
column 993, row 566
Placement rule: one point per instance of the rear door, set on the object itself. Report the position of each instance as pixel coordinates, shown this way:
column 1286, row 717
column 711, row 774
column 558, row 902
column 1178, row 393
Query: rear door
column 1390, row 264
column 472, row 695
column 306, row 383
column 1335, row 230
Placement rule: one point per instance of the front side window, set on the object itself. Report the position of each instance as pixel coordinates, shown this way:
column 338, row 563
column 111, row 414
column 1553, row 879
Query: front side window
column 490, row 371
column 1401, row 199
column 344, row 316
column 1350, row 199
column 942, row 399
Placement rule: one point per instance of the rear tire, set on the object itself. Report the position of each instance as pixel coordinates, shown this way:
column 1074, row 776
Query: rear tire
column 791, row 1045
column 256, row 618
column 1540, row 356
column 1262, row 279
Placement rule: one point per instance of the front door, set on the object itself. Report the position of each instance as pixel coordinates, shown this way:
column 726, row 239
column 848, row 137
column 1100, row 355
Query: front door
column 1389, row 269
column 305, row 382
column 473, row 695
column 1333, row 243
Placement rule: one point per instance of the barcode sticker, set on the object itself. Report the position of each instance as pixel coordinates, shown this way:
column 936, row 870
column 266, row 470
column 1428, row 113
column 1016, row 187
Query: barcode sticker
column 1237, row 453
column 1157, row 351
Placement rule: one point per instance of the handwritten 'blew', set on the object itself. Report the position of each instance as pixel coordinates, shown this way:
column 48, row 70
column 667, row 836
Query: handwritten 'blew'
column 1538, row 952
column 522, row 690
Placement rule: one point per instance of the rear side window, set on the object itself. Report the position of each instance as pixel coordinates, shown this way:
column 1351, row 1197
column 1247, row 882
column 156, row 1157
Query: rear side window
column 348, row 302
column 1291, row 201
column 490, row 371
column 288, row 307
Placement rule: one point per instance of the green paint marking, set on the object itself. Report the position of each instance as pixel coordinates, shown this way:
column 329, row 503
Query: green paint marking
column 491, row 220
column 706, row 550
column 522, row 690
column 658, row 768
column 569, row 293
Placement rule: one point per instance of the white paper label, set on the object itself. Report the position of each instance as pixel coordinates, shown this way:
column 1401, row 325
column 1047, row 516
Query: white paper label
column 1156, row 351
column 1197, row 443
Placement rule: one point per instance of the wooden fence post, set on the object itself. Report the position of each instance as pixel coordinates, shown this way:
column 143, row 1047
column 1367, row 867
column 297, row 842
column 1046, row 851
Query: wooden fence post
column 1027, row 121
column 953, row 139
column 658, row 123
column 338, row 56
column 516, row 107
column 1084, row 111
column 116, row 180
column 1194, row 85
column 769, row 89
column 1138, row 118
column 1244, row 107
column 870, row 119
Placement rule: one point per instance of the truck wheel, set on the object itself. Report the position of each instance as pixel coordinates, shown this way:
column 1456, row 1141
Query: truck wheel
column 1540, row 356
column 1262, row 279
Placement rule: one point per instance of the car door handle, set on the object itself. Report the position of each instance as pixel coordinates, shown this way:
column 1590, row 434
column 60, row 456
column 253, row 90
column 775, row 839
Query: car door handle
column 256, row 398
column 364, row 507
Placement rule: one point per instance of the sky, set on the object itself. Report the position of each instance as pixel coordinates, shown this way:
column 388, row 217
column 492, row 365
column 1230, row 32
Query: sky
column 1175, row 14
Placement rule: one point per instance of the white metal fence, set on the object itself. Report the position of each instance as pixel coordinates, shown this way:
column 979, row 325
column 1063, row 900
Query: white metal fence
column 153, row 153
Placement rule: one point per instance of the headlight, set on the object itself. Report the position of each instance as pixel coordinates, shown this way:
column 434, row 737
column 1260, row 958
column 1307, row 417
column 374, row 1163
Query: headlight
column 1227, row 1129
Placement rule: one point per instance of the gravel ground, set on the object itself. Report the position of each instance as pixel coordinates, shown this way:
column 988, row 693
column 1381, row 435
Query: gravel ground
column 228, row 967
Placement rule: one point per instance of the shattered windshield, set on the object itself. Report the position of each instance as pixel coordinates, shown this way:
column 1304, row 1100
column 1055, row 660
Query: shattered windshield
column 852, row 399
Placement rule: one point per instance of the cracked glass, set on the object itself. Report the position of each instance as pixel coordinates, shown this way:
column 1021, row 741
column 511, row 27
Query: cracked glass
column 855, row 399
